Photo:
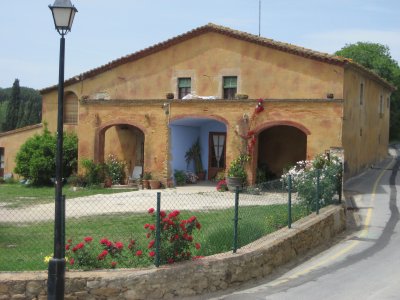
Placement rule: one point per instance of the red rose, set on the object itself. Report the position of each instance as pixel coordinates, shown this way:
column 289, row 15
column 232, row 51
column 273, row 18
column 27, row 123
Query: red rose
column 80, row 246
column 197, row 245
column 162, row 214
column 152, row 227
column 151, row 210
column 152, row 253
column 139, row 253
column 192, row 219
column 88, row 239
column 104, row 241
column 69, row 241
column 146, row 226
column 148, row 235
column 170, row 261
column 119, row 245
column 113, row 264
column 198, row 225
column 71, row 261
column 67, row 246
column 151, row 244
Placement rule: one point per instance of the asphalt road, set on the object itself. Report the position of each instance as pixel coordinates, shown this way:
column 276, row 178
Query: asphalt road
column 365, row 264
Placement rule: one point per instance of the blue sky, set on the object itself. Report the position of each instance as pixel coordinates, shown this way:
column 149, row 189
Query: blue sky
column 105, row 30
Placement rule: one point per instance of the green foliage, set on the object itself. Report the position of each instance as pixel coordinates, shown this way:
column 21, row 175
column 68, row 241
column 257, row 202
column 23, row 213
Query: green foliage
column 237, row 167
column 147, row 176
column 19, row 107
column 95, row 174
column 377, row 58
column 115, row 169
column 180, row 177
column 304, row 177
column 35, row 160
column 194, row 153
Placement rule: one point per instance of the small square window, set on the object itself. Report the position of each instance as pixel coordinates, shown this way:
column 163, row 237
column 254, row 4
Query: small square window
column 230, row 87
column 184, row 87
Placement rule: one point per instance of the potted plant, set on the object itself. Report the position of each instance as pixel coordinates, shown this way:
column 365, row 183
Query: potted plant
column 237, row 173
column 194, row 153
column 154, row 184
column 146, row 178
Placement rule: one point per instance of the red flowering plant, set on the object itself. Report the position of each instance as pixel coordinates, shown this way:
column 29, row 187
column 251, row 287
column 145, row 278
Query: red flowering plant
column 106, row 254
column 176, row 237
column 222, row 186
column 250, row 135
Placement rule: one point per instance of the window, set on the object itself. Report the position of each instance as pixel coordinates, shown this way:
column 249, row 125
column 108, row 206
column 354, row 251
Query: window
column 381, row 106
column 230, row 87
column 71, row 109
column 361, row 93
column 184, row 87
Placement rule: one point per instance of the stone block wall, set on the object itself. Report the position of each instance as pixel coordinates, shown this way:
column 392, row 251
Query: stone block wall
column 209, row 274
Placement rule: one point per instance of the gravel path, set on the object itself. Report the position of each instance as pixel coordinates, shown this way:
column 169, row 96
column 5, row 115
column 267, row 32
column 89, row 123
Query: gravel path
column 138, row 201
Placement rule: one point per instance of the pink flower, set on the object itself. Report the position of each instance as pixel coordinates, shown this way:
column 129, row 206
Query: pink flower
column 88, row 239
column 151, row 210
column 152, row 253
column 139, row 253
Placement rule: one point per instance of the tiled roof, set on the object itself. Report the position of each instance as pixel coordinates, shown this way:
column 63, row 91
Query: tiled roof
column 240, row 35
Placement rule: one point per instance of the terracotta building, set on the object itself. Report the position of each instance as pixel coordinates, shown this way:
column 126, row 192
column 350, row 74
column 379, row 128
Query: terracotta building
column 312, row 102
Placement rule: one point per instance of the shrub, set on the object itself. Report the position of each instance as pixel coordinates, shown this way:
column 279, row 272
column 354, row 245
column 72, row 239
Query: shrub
column 115, row 169
column 237, row 167
column 180, row 177
column 304, row 178
column 36, row 158
column 95, row 174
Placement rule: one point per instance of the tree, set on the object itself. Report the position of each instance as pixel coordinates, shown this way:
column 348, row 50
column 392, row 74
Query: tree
column 377, row 58
column 36, row 158
column 12, row 112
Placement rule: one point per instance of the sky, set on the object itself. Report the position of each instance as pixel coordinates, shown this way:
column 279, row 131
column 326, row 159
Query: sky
column 105, row 30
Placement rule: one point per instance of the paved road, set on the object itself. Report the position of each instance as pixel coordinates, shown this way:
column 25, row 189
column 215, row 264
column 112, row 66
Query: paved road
column 365, row 265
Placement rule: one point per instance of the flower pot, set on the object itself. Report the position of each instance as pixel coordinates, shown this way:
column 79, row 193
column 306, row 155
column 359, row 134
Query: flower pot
column 146, row 184
column 108, row 183
column 233, row 182
column 154, row 184
column 201, row 175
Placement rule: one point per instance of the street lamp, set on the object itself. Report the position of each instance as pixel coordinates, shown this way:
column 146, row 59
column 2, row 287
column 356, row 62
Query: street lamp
column 63, row 14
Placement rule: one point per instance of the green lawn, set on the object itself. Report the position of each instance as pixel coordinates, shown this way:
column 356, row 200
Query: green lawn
column 16, row 195
column 23, row 247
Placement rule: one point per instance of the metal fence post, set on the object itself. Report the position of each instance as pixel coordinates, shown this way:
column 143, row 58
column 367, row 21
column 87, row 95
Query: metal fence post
column 340, row 183
column 63, row 227
column 158, row 230
column 317, row 198
column 236, row 220
column 290, row 201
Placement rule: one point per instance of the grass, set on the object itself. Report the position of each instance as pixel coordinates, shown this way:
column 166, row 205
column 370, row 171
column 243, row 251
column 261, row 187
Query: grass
column 17, row 195
column 23, row 247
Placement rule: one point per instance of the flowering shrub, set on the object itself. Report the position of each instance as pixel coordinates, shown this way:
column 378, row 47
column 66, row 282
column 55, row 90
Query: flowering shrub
column 177, row 241
column 304, row 179
column 106, row 254
column 115, row 169
column 222, row 186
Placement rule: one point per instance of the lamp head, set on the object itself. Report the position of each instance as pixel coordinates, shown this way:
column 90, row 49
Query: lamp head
column 63, row 15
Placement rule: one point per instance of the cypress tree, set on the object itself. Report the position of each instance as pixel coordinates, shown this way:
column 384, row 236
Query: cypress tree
column 13, row 106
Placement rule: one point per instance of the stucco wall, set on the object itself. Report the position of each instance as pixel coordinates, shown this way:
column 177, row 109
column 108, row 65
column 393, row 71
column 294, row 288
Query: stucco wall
column 181, row 280
column 11, row 141
column 365, row 130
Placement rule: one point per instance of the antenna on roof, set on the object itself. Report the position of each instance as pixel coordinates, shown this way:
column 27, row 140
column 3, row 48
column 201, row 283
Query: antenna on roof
column 259, row 17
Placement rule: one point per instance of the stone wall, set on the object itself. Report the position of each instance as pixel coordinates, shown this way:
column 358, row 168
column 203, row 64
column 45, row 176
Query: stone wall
column 209, row 274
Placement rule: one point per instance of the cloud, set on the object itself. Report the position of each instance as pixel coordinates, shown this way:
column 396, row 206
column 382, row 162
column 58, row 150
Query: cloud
column 332, row 41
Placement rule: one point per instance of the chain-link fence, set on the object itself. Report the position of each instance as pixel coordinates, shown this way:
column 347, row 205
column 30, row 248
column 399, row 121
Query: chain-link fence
column 140, row 228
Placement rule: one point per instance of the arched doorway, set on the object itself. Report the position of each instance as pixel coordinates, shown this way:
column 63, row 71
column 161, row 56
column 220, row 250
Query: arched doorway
column 125, row 142
column 280, row 147
column 211, row 134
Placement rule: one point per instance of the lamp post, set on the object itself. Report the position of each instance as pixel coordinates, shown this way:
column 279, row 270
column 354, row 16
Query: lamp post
column 63, row 14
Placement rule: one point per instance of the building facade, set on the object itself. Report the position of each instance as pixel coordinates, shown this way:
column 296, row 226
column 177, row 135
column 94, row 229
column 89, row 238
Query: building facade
column 312, row 102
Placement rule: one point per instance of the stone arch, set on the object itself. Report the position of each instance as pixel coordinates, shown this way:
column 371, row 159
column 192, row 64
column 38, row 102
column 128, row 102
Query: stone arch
column 122, row 138
column 280, row 145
